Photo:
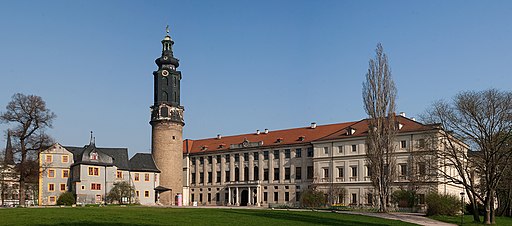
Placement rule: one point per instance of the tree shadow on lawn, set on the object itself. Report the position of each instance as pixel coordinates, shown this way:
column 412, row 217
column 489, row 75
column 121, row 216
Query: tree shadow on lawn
column 293, row 216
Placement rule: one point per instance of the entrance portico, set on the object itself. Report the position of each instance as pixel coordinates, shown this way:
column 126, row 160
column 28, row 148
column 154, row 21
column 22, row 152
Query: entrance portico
column 244, row 194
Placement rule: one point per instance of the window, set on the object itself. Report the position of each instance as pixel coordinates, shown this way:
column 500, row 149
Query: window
column 354, row 148
column 62, row 187
column 94, row 171
column 146, row 177
column 95, row 186
column 237, row 157
column 192, row 197
column 210, row 177
column 65, row 173
column 237, row 174
column 421, row 143
column 370, row 199
column 265, row 155
column 227, row 176
column 256, row 173
column 276, row 154
column 276, row 173
column 403, row 144
column 210, row 159
column 65, row 159
column 146, row 194
column 217, row 196
column 94, row 156
column 228, row 158
column 246, row 156
column 119, row 174
column 193, row 160
column 49, row 158
column 201, row 198
column 136, row 177
column 209, row 197
column 310, row 172
column 193, row 178
column 326, row 172
column 422, row 168
column 137, row 193
column 421, row 198
column 287, row 153
column 276, row 196
column 265, row 196
column 256, row 156
column 51, row 173
column 218, row 158
column 287, row 173
column 354, row 198
column 340, row 172
column 310, row 152
column 218, row 177
column 52, row 199
column 298, row 173
column 340, row 149
column 51, row 187
column 265, row 174
column 246, row 173
column 201, row 178
column 326, row 150
column 298, row 153
column 354, row 171
column 287, row 196
column 403, row 169
column 83, row 187
column 201, row 160
column 368, row 171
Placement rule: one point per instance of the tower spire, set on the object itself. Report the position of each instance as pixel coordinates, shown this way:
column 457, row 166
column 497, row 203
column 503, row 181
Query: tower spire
column 9, row 152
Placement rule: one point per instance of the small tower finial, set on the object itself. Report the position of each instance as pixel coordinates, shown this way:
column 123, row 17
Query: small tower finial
column 167, row 30
column 90, row 140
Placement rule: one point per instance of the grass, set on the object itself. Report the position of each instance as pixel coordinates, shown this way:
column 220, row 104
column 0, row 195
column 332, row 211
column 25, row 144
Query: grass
column 468, row 220
column 180, row 216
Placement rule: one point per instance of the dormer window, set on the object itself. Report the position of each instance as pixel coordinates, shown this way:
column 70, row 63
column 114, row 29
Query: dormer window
column 222, row 146
column 204, row 148
column 279, row 140
column 302, row 138
column 94, row 156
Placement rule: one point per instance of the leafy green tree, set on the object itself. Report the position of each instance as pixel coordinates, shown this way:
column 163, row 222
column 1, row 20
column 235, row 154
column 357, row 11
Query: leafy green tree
column 121, row 193
column 313, row 198
column 66, row 198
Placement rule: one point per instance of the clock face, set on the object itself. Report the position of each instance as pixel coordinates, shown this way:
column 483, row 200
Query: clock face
column 165, row 73
column 165, row 57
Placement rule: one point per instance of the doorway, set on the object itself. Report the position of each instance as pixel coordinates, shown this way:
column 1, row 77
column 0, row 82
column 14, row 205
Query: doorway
column 244, row 199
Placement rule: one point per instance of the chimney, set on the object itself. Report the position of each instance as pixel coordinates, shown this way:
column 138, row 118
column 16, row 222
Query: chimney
column 219, row 136
column 413, row 119
column 266, row 131
column 400, row 125
column 313, row 125
column 402, row 114
column 257, row 132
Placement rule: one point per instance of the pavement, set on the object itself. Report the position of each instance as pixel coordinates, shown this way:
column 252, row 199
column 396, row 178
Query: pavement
column 415, row 218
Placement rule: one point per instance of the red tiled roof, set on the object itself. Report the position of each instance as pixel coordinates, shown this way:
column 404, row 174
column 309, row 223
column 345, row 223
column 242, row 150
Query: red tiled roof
column 293, row 136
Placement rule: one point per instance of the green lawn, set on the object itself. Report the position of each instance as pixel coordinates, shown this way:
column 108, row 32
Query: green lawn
column 180, row 216
column 468, row 220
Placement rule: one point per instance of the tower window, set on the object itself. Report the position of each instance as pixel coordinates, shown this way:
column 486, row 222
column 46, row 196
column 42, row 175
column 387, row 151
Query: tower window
column 165, row 96
column 164, row 112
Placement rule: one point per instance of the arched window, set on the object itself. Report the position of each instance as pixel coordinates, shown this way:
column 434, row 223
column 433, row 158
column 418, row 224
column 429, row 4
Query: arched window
column 165, row 96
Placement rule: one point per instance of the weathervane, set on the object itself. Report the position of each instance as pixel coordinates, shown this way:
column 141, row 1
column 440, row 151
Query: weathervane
column 167, row 30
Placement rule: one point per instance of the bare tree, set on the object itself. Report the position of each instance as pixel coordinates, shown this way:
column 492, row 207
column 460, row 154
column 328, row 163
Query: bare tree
column 30, row 117
column 379, row 94
column 482, row 120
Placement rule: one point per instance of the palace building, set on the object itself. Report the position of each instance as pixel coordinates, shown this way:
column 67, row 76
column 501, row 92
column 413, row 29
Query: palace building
column 263, row 168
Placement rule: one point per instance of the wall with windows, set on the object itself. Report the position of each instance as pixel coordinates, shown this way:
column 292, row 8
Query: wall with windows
column 55, row 174
column 145, row 184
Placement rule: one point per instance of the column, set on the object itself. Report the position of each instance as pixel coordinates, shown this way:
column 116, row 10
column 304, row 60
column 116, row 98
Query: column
column 281, row 166
column 222, row 169
column 237, row 196
column 214, row 170
column 241, row 167
column 249, row 194
column 251, row 166
column 231, row 168
column 258, row 195
column 229, row 196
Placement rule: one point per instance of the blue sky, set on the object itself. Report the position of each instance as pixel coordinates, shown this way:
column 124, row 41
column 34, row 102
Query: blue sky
column 246, row 65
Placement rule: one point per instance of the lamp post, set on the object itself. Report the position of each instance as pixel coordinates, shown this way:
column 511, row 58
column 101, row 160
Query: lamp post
column 462, row 205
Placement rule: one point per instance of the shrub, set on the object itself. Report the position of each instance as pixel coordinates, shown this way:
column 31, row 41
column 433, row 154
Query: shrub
column 404, row 198
column 66, row 198
column 439, row 204
column 313, row 198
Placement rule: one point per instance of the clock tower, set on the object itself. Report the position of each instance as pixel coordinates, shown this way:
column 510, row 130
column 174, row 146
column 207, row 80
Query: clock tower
column 167, row 124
